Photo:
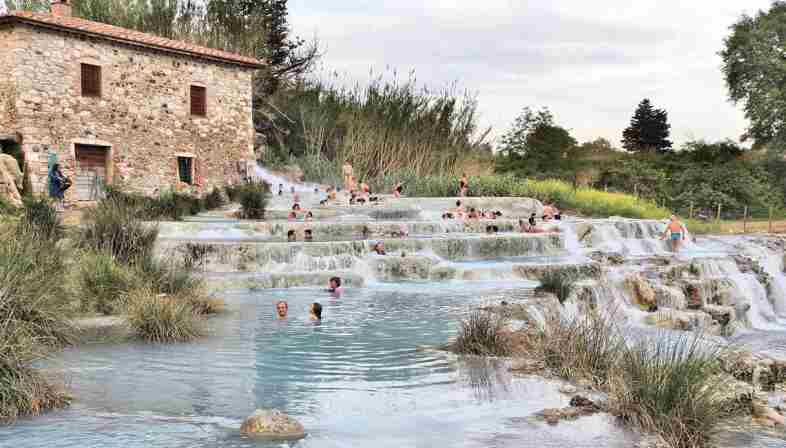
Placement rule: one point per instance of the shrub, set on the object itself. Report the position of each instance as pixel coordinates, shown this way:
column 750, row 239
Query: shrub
column 114, row 227
column 40, row 218
column 214, row 199
column 558, row 282
column 6, row 208
column 25, row 392
column 672, row 386
column 253, row 198
column 163, row 318
column 482, row 333
column 168, row 205
column 103, row 283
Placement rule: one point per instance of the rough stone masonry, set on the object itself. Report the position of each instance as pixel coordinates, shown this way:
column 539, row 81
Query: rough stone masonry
column 142, row 120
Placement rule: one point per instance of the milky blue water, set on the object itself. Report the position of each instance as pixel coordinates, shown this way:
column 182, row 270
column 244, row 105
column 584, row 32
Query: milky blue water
column 364, row 377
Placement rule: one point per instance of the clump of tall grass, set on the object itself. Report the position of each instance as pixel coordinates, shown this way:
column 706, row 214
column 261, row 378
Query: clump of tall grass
column 557, row 282
column 672, row 386
column 482, row 333
column 167, row 205
column 168, row 276
column 103, row 283
column 6, row 208
column 585, row 347
column 34, row 310
column 385, row 125
column 114, row 227
column 41, row 219
column 253, row 198
column 161, row 318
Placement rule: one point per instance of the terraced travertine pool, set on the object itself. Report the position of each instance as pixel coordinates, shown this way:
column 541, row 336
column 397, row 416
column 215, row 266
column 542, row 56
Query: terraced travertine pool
column 369, row 373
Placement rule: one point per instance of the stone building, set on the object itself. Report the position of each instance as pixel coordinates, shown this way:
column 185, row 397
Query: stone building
column 115, row 105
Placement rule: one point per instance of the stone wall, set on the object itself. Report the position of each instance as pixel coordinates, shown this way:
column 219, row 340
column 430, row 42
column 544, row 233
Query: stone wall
column 7, row 85
column 142, row 117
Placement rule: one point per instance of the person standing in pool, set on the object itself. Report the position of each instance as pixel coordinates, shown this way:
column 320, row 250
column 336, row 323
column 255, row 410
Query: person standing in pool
column 675, row 232
column 282, row 308
column 463, row 185
column 348, row 172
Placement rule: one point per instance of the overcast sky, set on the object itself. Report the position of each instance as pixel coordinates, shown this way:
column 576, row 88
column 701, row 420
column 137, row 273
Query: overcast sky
column 590, row 62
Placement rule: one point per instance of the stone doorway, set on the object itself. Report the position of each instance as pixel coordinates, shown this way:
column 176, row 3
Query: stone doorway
column 91, row 172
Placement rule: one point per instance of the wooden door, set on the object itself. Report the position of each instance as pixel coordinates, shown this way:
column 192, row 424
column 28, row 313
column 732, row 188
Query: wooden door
column 91, row 170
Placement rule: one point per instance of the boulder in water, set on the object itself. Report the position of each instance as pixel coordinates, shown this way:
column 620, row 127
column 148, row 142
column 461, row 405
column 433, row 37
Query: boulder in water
column 642, row 292
column 272, row 425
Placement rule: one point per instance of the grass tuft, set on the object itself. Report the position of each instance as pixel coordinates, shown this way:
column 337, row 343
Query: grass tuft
column 161, row 318
column 40, row 219
column 557, row 282
column 103, row 284
column 114, row 227
column 482, row 333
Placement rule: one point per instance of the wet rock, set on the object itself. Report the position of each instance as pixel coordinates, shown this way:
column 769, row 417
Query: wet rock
column 272, row 425
column 527, row 366
column 579, row 406
column 567, row 389
column 684, row 321
column 721, row 314
column 669, row 297
column 641, row 291
column 614, row 258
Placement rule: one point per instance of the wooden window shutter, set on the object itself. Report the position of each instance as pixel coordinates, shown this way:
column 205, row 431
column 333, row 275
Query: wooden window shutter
column 198, row 101
column 91, row 80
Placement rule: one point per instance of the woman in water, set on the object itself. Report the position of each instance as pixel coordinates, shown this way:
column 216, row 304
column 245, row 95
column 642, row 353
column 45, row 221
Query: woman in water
column 315, row 312
column 379, row 248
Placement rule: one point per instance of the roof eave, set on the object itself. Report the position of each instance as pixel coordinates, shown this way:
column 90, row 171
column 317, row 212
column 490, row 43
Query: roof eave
column 12, row 18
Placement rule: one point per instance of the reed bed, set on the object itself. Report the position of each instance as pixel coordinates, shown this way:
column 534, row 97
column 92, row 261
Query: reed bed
column 161, row 318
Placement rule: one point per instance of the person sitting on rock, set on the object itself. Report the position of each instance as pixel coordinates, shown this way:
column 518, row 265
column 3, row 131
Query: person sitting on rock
column 291, row 236
column 379, row 248
column 447, row 215
column 309, row 216
column 532, row 225
column 353, row 197
column 309, row 236
column 364, row 188
column 334, row 286
column 473, row 214
column 551, row 212
column 282, row 308
column 459, row 210
column 315, row 312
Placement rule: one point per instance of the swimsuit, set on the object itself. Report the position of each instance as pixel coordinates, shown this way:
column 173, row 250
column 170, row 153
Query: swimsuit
column 676, row 236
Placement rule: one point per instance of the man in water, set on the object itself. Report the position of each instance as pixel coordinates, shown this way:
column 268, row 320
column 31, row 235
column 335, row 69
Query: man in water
column 315, row 312
column 676, row 232
column 282, row 308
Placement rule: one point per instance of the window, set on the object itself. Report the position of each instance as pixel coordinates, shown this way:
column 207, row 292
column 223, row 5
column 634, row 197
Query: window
column 185, row 169
column 91, row 80
column 198, row 101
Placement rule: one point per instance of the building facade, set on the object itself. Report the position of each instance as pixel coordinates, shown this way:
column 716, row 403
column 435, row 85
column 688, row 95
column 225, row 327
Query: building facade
column 112, row 106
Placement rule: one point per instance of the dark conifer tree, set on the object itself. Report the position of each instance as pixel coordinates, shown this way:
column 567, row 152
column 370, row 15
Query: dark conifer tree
column 648, row 131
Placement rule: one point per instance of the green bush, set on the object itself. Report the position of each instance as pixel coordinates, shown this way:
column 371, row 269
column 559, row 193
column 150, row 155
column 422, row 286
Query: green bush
column 253, row 198
column 41, row 219
column 103, row 284
column 164, row 319
column 482, row 333
column 168, row 205
column 114, row 227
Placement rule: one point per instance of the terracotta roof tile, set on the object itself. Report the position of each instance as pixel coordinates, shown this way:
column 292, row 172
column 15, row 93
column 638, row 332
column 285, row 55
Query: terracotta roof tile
column 132, row 37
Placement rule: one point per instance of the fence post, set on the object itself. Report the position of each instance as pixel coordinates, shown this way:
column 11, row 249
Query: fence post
column 719, row 211
column 690, row 213
column 770, row 226
column 636, row 190
column 745, row 220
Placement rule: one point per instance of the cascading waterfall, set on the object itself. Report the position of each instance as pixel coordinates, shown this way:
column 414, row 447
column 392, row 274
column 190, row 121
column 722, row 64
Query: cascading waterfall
column 263, row 174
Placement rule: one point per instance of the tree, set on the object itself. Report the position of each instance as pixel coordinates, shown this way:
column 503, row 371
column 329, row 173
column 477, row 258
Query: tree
column 648, row 131
column 754, row 67
column 536, row 146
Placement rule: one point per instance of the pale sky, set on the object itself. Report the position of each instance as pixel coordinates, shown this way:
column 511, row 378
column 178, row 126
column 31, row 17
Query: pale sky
column 590, row 62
